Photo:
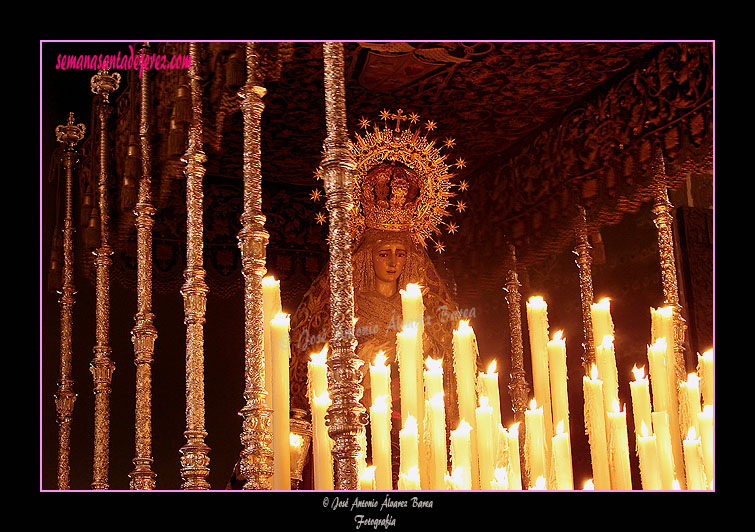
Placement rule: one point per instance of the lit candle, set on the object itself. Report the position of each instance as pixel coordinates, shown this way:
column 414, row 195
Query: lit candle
column 602, row 323
column 367, row 479
column 537, row 321
column 513, row 465
column 705, row 422
column 647, row 451
column 317, row 370
column 461, row 456
column 562, row 466
column 658, row 375
column 409, row 480
column 380, row 376
column 589, row 485
column 412, row 306
column 380, row 423
column 690, row 393
column 501, row 480
column 662, row 324
column 605, row 359
column 535, row 444
column 296, row 444
column 465, row 363
column 540, row 484
column 488, row 387
column 281, row 353
column 595, row 426
column 665, row 451
column 407, row 354
column 558, row 379
column 618, row 448
column 435, row 409
column 705, row 370
column 693, row 461
column 640, row 391
column 321, row 443
column 485, row 440
column 271, row 306
column 409, row 445
column 433, row 377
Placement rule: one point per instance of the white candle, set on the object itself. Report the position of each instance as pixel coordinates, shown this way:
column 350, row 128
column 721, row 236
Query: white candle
column 705, row 370
column 380, row 423
column 558, row 378
column 562, row 465
column 595, row 426
column 665, row 450
column 488, row 387
column 281, row 353
column 618, row 448
column 461, row 455
column 705, row 422
column 693, row 461
column 514, row 467
column 433, row 377
column 409, row 480
column 409, row 445
column 465, row 363
column 640, row 391
column 271, row 306
column 485, row 441
column 535, row 444
column 407, row 353
column 321, row 443
column 537, row 321
column 317, row 370
column 605, row 358
column 435, row 409
column 380, row 376
column 690, row 393
column 602, row 323
column 412, row 306
column 662, row 324
column 367, row 478
column 658, row 375
column 647, row 452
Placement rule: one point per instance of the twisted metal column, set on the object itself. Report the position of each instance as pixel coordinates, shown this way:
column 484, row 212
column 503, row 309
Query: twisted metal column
column 194, row 454
column 144, row 334
column 584, row 262
column 346, row 415
column 69, row 135
column 518, row 387
column 256, row 461
column 102, row 367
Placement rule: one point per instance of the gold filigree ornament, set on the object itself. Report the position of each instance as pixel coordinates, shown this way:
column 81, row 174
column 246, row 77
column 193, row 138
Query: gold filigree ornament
column 402, row 181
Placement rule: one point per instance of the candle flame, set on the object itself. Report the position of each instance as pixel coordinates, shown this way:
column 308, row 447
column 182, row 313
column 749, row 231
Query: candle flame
column 659, row 346
column 464, row 428
column 594, row 372
column 380, row 359
column 501, row 476
column 413, row 473
column 560, row 427
column 537, row 302
column 368, row 473
column 354, row 321
column 607, row 342
column 616, row 407
column 665, row 312
column 410, row 425
column 270, row 281
column 281, row 319
column 412, row 290
column 464, row 327
column 295, row 440
column 434, row 365
column 319, row 358
column 644, row 432
column 539, row 484
column 380, row 402
column 589, row 485
column 492, row 367
column 693, row 379
column 558, row 337
column 691, row 434
column 409, row 329
column 322, row 400
column 676, row 486
column 708, row 355
column 437, row 400
column 603, row 304
column 484, row 402
column 514, row 429
column 533, row 404
column 639, row 373
column 707, row 411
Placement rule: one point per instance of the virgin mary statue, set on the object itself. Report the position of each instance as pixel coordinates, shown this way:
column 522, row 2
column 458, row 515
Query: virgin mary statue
column 402, row 187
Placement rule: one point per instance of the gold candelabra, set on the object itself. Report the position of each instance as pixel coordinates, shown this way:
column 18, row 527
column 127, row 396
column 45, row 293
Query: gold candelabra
column 69, row 135
column 195, row 459
column 102, row 367
column 144, row 333
column 256, row 461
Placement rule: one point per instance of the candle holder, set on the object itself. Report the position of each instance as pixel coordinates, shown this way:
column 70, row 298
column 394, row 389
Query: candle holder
column 584, row 262
column 101, row 366
column 69, row 135
column 301, row 428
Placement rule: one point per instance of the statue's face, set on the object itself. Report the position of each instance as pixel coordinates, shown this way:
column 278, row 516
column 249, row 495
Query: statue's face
column 388, row 260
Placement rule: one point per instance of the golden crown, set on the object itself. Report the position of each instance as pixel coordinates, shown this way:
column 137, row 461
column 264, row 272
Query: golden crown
column 401, row 180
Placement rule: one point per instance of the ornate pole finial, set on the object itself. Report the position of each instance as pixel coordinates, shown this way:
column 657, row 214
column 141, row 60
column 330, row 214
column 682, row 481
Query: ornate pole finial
column 256, row 460
column 69, row 135
column 144, row 333
column 195, row 459
column 102, row 367
column 346, row 415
